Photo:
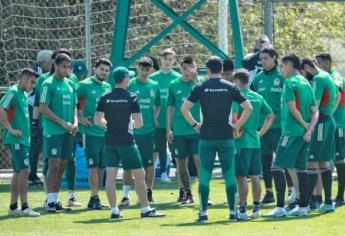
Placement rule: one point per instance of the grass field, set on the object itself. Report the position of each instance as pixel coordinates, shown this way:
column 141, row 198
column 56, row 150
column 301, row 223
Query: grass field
column 180, row 220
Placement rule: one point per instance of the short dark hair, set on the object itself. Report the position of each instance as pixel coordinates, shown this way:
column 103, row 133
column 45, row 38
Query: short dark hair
column 228, row 65
column 308, row 61
column 168, row 51
column 28, row 72
column 324, row 56
column 270, row 51
column 155, row 63
column 61, row 50
column 293, row 59
column 242, row 75
column 215, row 64
column 103, row 61
column 62, row 57
column 188, row 60
column 145, row 62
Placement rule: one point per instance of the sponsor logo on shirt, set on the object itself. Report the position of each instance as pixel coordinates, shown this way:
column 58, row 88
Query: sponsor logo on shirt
column 221, row 90
column 152, row 93
column 179, row 92
column 116, row 101
column 276, row 82
column 93, row 92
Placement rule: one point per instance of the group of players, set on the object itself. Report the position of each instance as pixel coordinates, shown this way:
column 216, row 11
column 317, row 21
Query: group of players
column 284, row 123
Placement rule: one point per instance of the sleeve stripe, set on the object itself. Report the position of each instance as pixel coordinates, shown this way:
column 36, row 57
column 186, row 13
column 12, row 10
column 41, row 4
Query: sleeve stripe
column 43, row 94
column 7, row 100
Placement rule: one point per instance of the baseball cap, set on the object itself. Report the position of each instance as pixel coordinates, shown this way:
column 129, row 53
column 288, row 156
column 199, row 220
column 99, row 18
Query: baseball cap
column 121, row 73
column 79, row 68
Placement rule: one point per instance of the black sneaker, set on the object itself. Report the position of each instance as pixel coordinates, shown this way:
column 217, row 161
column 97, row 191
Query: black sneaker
column 34, row 180
column 152, row 214
column 60, row 207
column 268, row 198
column 202, row 218
column 339, row 202
column 291, row 206
column 95, row 203
column 116, row 216
column 124, row 202
column 182, row 195
column 50, row 207
column 91, row 202
column 149, row 195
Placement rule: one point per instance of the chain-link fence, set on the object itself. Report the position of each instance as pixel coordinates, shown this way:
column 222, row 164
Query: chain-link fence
column 28, row 26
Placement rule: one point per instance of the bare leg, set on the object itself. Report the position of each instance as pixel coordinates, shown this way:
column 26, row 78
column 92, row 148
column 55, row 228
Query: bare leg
column 110, row 186
column 140, row 186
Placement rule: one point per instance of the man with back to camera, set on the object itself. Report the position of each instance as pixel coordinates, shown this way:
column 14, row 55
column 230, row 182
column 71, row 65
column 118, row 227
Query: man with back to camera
column 216, row 134
column 119, row 112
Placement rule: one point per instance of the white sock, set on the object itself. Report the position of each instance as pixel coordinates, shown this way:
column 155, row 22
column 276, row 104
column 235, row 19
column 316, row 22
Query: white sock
column 146, row 209
column 126, row 189
column 115, row 210
column 56, row 196
column 50, row 197
column 203, row 213
column 71, row 195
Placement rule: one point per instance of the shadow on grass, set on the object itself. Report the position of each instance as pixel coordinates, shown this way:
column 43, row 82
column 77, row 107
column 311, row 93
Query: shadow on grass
column 105, row 220
column 198, row 224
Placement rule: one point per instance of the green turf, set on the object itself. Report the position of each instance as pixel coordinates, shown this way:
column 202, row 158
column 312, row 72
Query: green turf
column 180, row 220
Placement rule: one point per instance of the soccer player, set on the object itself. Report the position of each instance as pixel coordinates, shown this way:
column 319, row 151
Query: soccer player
column 216, row 96
column 58, row 106
column 37, row 126
column 325, row 62
column 269, row 83
column 88, row 92
column 183, row 136
column 247, row 143
column 163, row 77
column 44, row 63
column 299, row 116
column 119, row 112
column 228, row 70
column 14, row 116
column 322, row 148
column 149, row 101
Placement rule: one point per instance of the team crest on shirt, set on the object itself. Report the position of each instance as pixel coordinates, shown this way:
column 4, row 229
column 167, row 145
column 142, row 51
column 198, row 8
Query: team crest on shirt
column 276, row 82
column 26, row 161
column 179, row 92
column 90, row 161
column 93, row 92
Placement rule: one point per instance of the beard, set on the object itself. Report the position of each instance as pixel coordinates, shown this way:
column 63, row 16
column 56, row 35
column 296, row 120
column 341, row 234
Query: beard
column 309, row 76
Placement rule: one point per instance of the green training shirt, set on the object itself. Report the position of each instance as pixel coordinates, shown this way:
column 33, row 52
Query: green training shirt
column 163, row 81
column 179, row 91
column 325, row 91
column 296, row 88
column 88, row 92
column 148, row 97
column 270, row 85
column 59, row 95
column 15, row 102
column 250, row 137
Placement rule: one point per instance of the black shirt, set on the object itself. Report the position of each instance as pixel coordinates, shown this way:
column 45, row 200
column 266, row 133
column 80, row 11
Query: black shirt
column 117, row 106
column 216, row 97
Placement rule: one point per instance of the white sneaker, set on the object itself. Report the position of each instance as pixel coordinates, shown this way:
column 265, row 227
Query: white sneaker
column 30, row 212
column 15, row 212
column 242, row 216
column 165, row 178
column 277, row 212
column 298, row 211
column 292, row 198
column 255, row 214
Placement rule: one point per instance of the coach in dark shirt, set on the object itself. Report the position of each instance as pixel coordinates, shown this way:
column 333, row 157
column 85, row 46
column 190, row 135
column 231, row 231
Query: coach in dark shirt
column 216, row 133
column 119, row 112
